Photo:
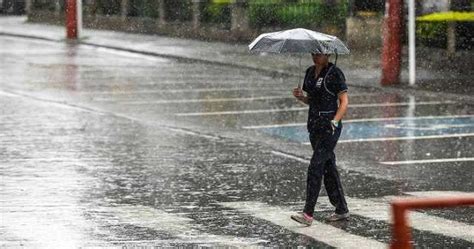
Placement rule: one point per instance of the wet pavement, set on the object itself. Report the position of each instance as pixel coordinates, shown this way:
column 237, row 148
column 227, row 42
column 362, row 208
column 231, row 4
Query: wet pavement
column 436, row 72
column 106, row 148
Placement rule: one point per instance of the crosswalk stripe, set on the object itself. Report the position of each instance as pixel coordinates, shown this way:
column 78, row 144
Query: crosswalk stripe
column 179, row 226
column 378, row 209
column 184, row 101
column 291, row 109
column 361, row 120
column 384, row 139
column 319, row 231
column 440, row 194
column 439, row 160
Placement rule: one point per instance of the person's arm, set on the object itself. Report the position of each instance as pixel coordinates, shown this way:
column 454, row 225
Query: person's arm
column 342, row 109
column 298, row 93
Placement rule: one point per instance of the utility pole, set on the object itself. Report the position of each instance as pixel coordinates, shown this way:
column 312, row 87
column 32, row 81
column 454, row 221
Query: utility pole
column 392, row 48
column 411, row 43
column 73, row 18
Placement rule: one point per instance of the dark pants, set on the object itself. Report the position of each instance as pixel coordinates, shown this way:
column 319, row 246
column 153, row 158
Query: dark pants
column 323, row 163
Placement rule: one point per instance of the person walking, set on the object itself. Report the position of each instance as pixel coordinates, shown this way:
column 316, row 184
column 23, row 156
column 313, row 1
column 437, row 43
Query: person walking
column 327, row 97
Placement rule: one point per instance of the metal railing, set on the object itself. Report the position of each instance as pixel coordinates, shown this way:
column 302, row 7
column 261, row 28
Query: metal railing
column 401, row 235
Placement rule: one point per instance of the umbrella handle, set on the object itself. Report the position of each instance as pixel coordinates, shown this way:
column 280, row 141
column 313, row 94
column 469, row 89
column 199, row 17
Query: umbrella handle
column 299, row 74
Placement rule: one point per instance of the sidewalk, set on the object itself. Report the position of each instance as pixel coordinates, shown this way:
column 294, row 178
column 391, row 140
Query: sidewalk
column 362, row 68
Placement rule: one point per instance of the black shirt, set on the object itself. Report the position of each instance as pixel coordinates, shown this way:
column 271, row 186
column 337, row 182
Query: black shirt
column 323, row 91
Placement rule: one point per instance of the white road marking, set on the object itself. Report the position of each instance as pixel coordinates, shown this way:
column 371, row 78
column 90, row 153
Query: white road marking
column 360, row 121
column 181, row 101
column 299, row 159
column 378, row 209
column 188, row 132
column 401, row 104
column 240, row 112
column 183, row 90
column 441, row 160
column 176, row 224
column 319, row 231
column 99, row 112
column 429, row 127
column 306, row 108
column 275, row 125
column 307, row 161
column 383, row 139
column 440, row 194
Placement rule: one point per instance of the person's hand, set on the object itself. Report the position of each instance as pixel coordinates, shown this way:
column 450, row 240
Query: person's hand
column 298, row 93
column 334, row 125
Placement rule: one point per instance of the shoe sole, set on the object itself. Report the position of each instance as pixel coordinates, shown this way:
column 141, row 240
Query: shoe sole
column 306, row 224
column 343, row 218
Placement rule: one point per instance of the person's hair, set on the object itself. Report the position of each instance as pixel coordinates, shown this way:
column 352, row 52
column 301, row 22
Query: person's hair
column 328, row 55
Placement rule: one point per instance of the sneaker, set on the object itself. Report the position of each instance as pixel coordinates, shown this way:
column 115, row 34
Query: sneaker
column 337, row 217
column 302, row 218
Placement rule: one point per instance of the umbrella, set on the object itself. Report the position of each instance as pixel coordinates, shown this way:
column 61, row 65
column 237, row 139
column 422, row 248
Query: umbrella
column 298, row 41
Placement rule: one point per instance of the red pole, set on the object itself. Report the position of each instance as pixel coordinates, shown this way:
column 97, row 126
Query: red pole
column 401, row 234
column 71, row 19
column 392, row 48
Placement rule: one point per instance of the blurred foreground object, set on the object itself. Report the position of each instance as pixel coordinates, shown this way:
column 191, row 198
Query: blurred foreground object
column 401, row 236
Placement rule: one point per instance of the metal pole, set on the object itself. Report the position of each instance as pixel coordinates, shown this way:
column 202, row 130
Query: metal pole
column 451, row 39
column 79, row 17
column 401, row 233
column 411, row 43
column 71, row 19
column 196, row 14
column 392, row 48
column 124, row 8
column 28, row 5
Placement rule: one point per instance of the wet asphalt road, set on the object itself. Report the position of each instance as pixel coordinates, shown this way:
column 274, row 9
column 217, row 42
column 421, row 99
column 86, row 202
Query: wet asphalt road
column 101, row 148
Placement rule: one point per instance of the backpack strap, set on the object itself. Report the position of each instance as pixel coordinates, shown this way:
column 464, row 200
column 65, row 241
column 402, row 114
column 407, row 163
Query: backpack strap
column 324, row 80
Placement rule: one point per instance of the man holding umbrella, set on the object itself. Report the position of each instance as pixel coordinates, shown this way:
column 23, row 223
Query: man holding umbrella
column 327, row 98
column 325, row 86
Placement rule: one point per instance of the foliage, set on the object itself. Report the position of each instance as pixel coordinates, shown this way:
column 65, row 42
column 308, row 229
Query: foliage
column 432, row 33
column 44, row 5
column 302, row 13
column 145, row 8
column 217, row 12
column 261, row 13
column 108, row 7
column 178, row 10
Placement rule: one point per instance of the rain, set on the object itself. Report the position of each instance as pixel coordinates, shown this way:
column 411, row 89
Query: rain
column 192, row 123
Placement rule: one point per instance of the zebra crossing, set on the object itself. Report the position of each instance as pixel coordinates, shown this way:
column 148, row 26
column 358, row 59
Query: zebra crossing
column 181, row 229
column 187, row 230
column 319, row 231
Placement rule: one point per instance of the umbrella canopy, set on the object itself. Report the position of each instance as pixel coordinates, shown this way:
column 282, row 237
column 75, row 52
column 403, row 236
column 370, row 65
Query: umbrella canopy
column 298, row 41
column 450, row 16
